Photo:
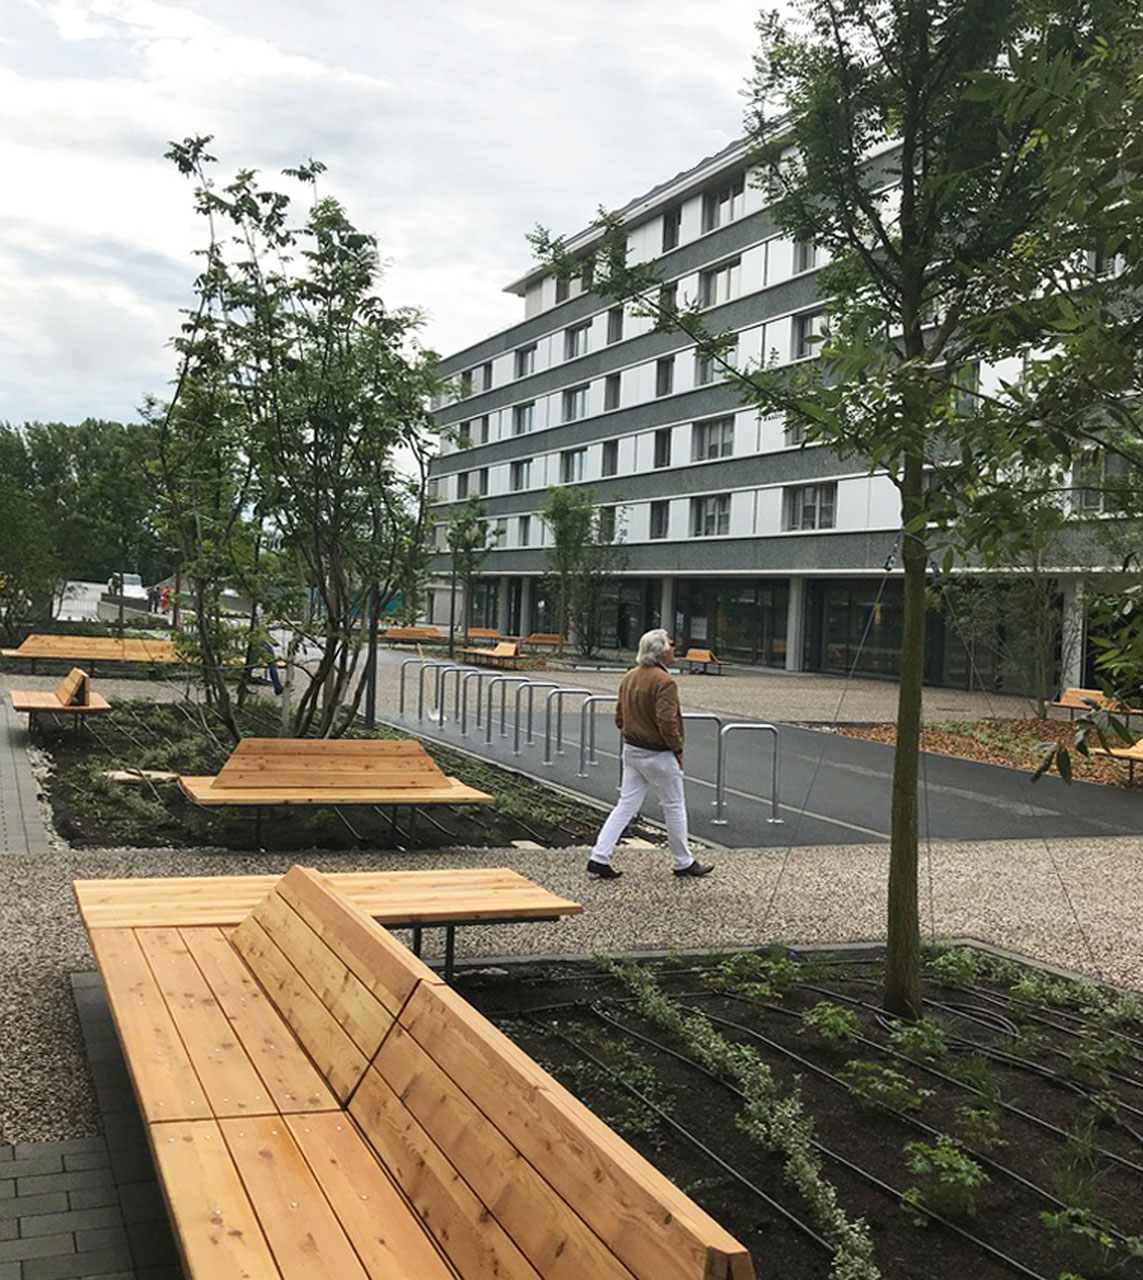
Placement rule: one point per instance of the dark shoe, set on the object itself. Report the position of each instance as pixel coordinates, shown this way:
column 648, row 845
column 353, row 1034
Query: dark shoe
column 695, row 869
column 603, row 870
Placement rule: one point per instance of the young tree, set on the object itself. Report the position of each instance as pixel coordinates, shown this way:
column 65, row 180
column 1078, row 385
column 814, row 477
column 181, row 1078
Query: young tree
column 30, row 572
column 585, row 554
column 893, row 143
column 469, row 537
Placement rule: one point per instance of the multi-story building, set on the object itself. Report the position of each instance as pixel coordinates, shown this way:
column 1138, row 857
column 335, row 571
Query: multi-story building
column 737, row 536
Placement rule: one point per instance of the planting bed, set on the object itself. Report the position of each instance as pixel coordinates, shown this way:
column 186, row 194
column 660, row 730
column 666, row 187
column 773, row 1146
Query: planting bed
column 91, row 810
column 738, row 1075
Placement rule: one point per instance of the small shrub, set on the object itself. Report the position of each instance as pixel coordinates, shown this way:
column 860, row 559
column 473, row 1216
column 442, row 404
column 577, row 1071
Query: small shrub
column 974, row 1071
column 1076, row 1174
column 979, row 1126
column 832, row 1022
column 1093, row 1238
column 922, row 1040
column 950, row 1180
column 875, row 1085
column 752, row 974
column 958, row 965
column 1096, row 1056
column 1028, row 1042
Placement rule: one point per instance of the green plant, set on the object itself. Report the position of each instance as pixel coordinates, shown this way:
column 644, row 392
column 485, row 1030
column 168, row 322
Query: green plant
column 832, row 1022
column 876, row 1085
column 979, row 1126
column 950, row 1180
column 628, row 1073
column 1096, row 1056
column 974, row 1071
column 1027, row 1042
column 752, row 974
column 920, row 1040
column 957, row 965
column 1077, row 1174
column 1093, row 1236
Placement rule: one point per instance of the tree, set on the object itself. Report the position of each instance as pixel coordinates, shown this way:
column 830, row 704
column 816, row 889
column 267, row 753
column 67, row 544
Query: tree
column 469, row 538
column 30, row 573
column 895, row 144
column 298, row 394
column 584, row 554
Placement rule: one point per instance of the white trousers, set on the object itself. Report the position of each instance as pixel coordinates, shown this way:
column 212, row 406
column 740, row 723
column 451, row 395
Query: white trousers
column 660, row 771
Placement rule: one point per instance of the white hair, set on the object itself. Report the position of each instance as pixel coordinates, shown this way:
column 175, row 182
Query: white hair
column 652, row 646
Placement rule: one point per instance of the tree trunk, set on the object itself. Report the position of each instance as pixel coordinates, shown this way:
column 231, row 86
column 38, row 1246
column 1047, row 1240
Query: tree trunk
column 902, row 993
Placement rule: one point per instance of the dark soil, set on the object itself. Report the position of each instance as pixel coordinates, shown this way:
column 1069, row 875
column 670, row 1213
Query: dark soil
column 91, row 810
column 1057, row 1086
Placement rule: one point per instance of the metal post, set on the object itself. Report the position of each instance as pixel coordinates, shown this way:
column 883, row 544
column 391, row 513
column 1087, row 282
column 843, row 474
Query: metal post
column 709, row 715
column 531, row 686
column 559, row 694
column 406, row 662
column 442, row 691
column 587, row 726
column 720, row 784
column 468, row 675
column 503, row 682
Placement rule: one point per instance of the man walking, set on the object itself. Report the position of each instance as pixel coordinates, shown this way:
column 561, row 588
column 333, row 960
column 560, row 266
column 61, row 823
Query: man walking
column 649, row 718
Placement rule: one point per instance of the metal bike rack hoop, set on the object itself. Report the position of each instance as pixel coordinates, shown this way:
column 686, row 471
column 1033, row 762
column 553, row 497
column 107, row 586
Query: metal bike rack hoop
column 720, row 785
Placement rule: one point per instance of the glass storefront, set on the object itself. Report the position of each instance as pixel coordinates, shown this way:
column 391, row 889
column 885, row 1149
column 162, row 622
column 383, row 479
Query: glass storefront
column 740, row 620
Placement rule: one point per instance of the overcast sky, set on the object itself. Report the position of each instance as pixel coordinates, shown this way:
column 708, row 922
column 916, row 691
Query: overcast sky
column 449, row 128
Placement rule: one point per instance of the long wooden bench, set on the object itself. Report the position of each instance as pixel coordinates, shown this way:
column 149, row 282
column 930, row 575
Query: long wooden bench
column 484, row 633
column 72, row 698
column 447, row 899
column 412, row 635
column 504, row 654
column 320, row 1104
column 263, row 772
column 92, row 650
column 704, row 659
column 1073, row 700
column 544, row 640
column 1132, row 754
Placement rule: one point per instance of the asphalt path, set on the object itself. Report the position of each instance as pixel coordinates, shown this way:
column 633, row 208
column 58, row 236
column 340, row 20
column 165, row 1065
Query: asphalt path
column 831, row 789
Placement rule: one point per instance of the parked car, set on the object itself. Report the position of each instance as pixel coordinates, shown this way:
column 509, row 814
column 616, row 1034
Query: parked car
column 127, row 584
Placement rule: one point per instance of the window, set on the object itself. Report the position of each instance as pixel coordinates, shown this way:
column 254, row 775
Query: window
column 810, row 506
column 708, row 369
column 805, row 255
column 720, row 283
column 519, row 475
column 484, row 377
column 575, row 341
column 464, row 384
column 571, row 465
column 563, row 288
column 433, row 490
column 611, row 391
column 664, row 375
column 724, row 205
column 809, row 328
column 713, row 439
column 525, row 360
column 610, row 464
column 672, row 224
column 587, row 275
column 461, row 485
column 660, row 519
column 482, row 482
column 1101, row 263
column 482, row 429
column 710, row 516
column 523, row 416
column 966, row 389
column 615, row 325
column 464, row 435
column 501, row 533
column 663, row 447
column 1099, row 478
column 524, row 531
column 575, row 403
column 606, row 525
column 668, row 297
column 795, row 432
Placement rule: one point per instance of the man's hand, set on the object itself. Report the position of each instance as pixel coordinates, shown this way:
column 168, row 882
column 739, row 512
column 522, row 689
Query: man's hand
column 679, row 758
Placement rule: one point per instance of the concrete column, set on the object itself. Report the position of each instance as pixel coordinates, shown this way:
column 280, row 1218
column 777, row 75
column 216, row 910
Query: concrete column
column 526, row 607
column 1073, row 634
column 796, row 624
column 667, row 606
column 503, row 591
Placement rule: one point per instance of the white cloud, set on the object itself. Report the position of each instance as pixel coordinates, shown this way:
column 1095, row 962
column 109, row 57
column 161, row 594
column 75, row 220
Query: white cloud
column 450, row 128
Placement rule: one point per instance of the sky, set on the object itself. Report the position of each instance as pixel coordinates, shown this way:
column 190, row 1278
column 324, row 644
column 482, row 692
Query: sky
column 449, row 129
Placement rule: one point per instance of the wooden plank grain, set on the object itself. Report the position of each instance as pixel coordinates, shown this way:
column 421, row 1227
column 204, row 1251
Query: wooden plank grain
column 164, row 1077
column 292, row 1080
column 216, row 1227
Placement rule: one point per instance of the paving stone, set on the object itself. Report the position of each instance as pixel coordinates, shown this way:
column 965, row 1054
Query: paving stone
column 79, row 1266
column 30, row 1206
column 142, row 1202
column 32, row 1166
column 93, row 1197
column 67, row 1147
column 10, row 1271
column 7, row 1188
column 9, row 1228
column 7, row 1152
column 97, row 1240
column 71, row 1220
column 40, row 1247
column 62, row 1181
column 88, row 1159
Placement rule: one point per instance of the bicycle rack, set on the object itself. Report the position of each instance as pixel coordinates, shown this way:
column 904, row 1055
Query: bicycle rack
column 587, row 726
column 435, row 666
column 503, row 682
column 408, row 662
column 440, row 689
column 531, row 686
column 479, row 676
column 709, row 715
column 559, row 694
column 720, row 784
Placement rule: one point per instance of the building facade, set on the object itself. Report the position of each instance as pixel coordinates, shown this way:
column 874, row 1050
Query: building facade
column 736, row 536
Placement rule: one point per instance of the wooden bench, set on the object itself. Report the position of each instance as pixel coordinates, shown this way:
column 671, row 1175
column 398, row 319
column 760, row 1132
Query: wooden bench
column 1132, row 754
column 542, row 640
column 72, row 698
column 703, row 659
column 483, row 633
column 262, row 772
column 1073, row 700
column 93, row 649
column 412, row 635
column 416, row 900
column 320, row 1104
column 504, row 654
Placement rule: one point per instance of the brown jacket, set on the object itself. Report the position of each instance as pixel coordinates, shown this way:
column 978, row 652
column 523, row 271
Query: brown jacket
column 648, row 712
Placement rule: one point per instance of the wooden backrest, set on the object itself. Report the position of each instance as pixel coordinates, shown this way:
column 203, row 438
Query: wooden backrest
column 1081, row 697
column 699, row 655
column 483, row 633
column 329, row 762
column 541, row 637
column 336, row 977
column 512, row 1175
column 505, row 649
column 73, row 689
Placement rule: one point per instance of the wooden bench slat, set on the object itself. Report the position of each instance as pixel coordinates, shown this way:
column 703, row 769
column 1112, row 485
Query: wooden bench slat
column 372, row 1211
column 201, row 791
column 232, row 1086
column 302, row 1229
column 291, row 1078
column 549, row 1232
column 165, row 1081
column 215, row 1224
column 339, row 1060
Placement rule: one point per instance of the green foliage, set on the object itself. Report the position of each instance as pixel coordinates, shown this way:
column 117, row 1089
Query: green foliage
column 583, row 556
column 958, row 965
column 631, row 1071
column 975, row 1071
column 949, row 1180
column 1094, row 1237
column 979, row 1126
column 1077, row 1170
column 469, row 536
column 832, row 1022
column 921, row 1040
column 761, row 976
column 876, row 1085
